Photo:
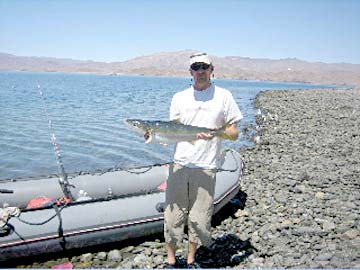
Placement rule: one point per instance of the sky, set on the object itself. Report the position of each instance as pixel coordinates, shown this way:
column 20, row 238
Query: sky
column 110, row 31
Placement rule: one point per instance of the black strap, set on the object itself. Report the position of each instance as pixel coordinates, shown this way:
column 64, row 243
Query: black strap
column 62, row 240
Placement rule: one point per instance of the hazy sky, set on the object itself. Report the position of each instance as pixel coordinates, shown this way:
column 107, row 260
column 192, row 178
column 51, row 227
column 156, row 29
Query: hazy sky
column 104, row 30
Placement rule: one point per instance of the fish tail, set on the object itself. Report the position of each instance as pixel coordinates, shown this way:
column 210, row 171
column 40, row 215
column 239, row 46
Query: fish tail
column 221, row 132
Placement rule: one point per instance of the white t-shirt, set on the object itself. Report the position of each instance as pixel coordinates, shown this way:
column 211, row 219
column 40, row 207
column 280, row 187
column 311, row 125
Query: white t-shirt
column 210, row 108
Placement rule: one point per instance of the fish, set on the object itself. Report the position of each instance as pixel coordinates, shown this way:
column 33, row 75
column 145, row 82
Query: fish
column 167, row 132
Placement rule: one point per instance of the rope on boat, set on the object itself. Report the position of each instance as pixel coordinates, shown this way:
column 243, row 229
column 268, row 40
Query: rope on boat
column 233, row 152
column 58, row 210
column 57, row 213
column 146, row 168
column 149, row 167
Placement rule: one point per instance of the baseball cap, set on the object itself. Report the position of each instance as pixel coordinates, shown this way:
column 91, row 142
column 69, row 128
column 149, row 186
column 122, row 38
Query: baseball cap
column 200, row 58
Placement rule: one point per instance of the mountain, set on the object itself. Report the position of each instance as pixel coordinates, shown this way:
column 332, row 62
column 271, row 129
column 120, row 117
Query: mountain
column 176, row 64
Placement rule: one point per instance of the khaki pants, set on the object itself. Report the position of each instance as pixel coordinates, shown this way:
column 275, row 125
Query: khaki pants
column 189, row 199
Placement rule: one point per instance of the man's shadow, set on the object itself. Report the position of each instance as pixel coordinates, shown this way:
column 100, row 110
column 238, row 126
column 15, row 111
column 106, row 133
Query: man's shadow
column 229, row 210
column 229, row 249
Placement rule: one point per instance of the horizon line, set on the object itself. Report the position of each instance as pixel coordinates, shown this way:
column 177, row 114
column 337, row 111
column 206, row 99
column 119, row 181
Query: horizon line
column 185, row 50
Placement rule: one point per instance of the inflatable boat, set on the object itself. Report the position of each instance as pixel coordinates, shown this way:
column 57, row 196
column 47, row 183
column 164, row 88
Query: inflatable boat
column 38, row 217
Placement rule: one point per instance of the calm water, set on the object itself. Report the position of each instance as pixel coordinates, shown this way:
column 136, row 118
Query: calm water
column 87, row 112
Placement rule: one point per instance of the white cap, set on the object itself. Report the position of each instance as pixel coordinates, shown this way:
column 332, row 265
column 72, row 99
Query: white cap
column 200, row 58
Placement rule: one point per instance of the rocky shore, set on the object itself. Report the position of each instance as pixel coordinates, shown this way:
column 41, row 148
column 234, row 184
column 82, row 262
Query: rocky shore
column 300, row 194
column 303, row 181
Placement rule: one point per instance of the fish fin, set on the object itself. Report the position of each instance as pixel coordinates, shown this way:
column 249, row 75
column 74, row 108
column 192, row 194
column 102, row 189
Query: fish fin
column 228, row 123
column 224, row 136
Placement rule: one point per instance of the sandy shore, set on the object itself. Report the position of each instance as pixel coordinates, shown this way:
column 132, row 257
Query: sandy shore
column 300, row 199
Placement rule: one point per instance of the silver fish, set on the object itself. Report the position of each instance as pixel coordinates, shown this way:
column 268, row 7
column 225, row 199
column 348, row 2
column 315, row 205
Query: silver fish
column 166, row 132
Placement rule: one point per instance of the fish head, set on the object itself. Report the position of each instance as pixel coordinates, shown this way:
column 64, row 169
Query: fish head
column 136, row 124
column 141, row 127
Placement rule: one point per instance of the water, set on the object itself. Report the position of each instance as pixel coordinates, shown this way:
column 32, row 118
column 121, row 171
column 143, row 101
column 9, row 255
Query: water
column 87, row 114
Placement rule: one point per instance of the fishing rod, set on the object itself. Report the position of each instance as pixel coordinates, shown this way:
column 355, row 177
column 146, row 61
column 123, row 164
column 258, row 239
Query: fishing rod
column 63, row 177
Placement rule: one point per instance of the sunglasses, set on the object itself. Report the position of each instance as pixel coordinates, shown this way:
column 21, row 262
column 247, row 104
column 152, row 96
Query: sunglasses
column 202, row 66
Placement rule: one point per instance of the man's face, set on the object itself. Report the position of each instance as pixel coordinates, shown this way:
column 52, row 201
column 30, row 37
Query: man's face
column 201, row 73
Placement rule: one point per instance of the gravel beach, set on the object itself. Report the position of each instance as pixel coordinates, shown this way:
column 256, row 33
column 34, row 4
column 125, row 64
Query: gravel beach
column 300, row 193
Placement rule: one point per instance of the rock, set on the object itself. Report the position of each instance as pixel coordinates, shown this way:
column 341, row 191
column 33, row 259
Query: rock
column 324, row 257
column 126, row 265
column 320, row 195
column 107, row 264
column 153, row 244
column 87, row 257
column 158, row 260
column 328, row 226
column 128, row 249
column 300, row 231
column 101, row 256
column 80, row 265
column 296, row 220
column 351, row 234
column 300, row 189
column 258, row 261
column 242, row 213
column 141, row 260
column 114, row 256
column 255, row 238
column 286, row 223
column 291, row 183
column 281, row 197
column 257, row 139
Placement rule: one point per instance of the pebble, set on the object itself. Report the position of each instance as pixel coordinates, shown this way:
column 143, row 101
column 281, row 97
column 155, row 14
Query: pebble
column 328, row 226
column 114, row 255
column 351, row 234
column 86, row 257
column 320, row 195
column 101, row 256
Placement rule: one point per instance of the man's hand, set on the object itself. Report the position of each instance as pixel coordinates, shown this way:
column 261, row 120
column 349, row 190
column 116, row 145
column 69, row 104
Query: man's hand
column 204, row 136
column 232, row 131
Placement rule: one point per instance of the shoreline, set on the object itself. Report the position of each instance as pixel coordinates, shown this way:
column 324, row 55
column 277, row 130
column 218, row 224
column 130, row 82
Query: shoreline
column 299, row 199
column 302, row 180
column 346, row 85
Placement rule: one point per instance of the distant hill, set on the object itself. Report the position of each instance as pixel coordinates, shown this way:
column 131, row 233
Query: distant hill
column 176, row 64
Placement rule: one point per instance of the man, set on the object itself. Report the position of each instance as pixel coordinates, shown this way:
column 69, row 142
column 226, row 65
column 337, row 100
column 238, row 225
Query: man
column 191, row 182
